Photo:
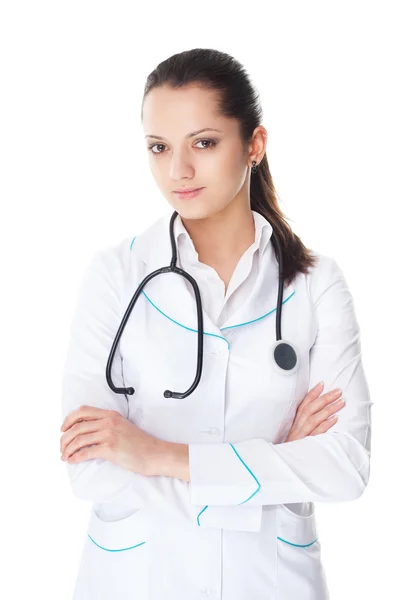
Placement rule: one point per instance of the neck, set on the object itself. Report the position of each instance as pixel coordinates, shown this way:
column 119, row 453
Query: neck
column 224, row 236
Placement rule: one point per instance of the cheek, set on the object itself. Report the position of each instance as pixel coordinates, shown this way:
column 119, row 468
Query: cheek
column 157, row 173
column 225, row 176
column 235, row 170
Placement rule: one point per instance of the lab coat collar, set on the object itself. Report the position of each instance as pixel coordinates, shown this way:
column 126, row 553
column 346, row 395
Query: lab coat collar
column 173, row 296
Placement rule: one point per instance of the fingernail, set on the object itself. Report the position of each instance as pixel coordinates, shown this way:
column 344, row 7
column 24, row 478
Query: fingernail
column 319, row 384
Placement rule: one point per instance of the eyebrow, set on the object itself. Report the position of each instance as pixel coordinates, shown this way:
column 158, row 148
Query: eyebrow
column 189, row 135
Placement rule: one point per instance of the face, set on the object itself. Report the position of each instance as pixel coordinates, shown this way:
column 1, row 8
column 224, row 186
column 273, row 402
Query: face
column 213, row 160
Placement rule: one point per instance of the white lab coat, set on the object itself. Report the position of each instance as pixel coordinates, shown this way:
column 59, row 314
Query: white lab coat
column 244, row 527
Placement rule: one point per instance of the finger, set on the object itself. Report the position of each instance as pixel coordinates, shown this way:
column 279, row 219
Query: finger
column 313, row 394
column 331, row 409
column 81, row 414
column 73, row 417
column 80, row 442
column 315, row 419
column 327, row 424
column 325, row 399
column 78, row 429
column 88, row 452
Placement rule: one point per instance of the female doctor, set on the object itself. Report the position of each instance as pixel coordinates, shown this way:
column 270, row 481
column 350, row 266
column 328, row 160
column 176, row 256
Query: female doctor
column 203, row 434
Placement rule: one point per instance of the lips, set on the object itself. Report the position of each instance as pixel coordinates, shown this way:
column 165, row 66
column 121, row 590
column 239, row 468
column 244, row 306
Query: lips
column 188, row 193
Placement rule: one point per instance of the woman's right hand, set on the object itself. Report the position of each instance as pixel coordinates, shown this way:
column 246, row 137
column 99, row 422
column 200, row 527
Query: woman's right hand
column 312, row 415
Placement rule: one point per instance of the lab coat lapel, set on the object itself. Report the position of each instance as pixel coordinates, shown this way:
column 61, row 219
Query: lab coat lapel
column 169, row 293
column 262, row 301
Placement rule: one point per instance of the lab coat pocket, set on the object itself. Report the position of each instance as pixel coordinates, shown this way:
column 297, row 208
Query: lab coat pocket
column 300, row 573
column 114, row 562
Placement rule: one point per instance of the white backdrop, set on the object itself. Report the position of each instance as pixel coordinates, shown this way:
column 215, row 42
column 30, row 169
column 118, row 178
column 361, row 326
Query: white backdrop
column 75, row 177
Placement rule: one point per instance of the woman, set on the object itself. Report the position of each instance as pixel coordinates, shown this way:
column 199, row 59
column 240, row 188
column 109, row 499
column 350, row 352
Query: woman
column 210, row 494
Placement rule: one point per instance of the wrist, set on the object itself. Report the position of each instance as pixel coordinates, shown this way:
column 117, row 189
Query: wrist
column 171, row 459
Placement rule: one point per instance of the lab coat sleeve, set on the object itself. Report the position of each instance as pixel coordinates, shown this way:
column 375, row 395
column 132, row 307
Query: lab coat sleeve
column 95, row 321
column 329, row 467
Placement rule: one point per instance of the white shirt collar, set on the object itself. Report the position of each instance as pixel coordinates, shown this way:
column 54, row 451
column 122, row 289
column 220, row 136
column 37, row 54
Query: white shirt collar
column 153, row 247
column 263, row 231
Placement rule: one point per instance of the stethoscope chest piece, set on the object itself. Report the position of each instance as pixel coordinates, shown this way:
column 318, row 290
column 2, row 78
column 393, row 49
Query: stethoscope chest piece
column 285, row 357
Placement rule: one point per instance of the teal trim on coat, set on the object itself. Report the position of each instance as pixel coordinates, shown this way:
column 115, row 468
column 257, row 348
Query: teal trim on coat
column 198, row 522
column 297, row 545
column 118, row 550
column 222, row 328
column 251, row 473
column 225, row 340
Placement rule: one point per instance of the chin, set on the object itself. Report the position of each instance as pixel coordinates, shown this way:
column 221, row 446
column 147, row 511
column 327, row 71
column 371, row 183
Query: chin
column 188, row 209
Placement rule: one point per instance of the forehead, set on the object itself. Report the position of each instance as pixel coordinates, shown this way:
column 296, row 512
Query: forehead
column 175, row 112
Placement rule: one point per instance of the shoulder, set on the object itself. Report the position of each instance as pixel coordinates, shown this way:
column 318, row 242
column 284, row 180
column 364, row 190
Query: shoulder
column 122, row 260
column 325, row 276
column 116, row 252
column 107, row 264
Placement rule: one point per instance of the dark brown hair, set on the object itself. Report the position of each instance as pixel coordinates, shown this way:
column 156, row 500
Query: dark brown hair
column 237, row 98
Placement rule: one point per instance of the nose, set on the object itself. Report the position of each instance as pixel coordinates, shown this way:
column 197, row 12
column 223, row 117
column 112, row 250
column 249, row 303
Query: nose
column 181, row 167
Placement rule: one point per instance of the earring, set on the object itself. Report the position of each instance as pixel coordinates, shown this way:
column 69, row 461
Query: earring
column 254, row 167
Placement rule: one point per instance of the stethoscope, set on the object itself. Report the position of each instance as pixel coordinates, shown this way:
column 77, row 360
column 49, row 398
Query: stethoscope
column 283, row 353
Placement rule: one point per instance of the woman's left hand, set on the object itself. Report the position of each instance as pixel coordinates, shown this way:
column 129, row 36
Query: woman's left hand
column 91, row 432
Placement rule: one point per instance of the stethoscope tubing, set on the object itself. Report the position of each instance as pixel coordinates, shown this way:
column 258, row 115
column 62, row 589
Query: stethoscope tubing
column 284, row 354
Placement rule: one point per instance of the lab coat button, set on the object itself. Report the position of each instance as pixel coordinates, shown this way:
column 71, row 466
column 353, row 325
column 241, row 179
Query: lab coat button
column 219, row 351
column 214, row 431
column 208, row 592
column 211, row 431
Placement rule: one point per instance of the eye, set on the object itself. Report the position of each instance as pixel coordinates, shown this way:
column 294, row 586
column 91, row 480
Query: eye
column 211, row 143
column 150, row 148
